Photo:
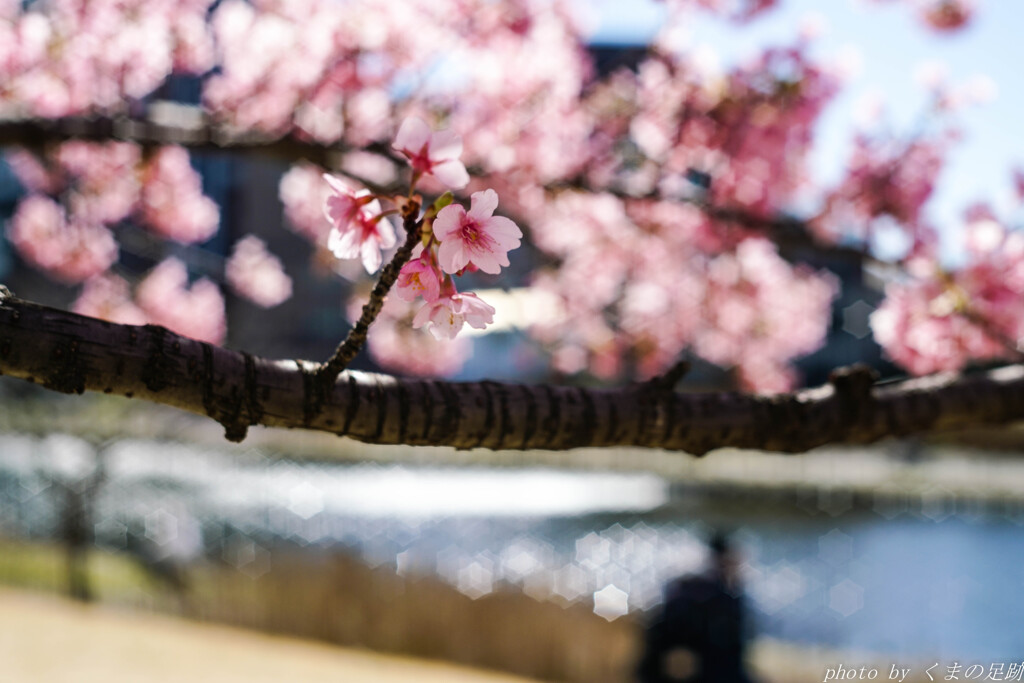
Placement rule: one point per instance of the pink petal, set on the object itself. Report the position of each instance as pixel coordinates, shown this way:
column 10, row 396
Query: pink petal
column 407, row 293
column 445, row 324
column 372, row 208
column 449, row 220
column 339, row 210
column 483, row 204
column 371, row 256
column 412, row 135
column 385, row 233
column 344, row 245
column 452, row 256
column 422, row 316
column 488, row 261
column 338, row 185
column 478, row 313
column 444, row 145
column 451, row 174
column 442, row 333
column 505, row 233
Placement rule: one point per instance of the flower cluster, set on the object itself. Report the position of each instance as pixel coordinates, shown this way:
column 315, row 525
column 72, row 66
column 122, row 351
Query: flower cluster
column 946, row 15
column 71, row 251
column 454, row 240
column 173, row 203
column 943, row 320
column 256, row 274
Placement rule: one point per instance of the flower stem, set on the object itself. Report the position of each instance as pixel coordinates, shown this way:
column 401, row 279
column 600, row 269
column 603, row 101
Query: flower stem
column 348, row 349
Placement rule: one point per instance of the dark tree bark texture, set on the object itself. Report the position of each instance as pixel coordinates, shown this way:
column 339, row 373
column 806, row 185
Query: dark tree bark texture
column 71, row 353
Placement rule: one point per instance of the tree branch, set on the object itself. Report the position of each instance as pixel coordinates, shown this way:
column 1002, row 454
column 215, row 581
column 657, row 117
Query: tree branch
column 190, row 127
column 185, row 126
column 70, row 353
column 348, row 349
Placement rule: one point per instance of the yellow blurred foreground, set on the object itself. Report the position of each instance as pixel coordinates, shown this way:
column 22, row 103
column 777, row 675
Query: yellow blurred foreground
column 45, row 639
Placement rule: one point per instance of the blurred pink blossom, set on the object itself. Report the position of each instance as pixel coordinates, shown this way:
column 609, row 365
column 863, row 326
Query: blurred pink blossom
column 196, row 311
column 944, row 320
column 919, row 327
column 71, row 252
column 256, row 274
column 173, row 204
column 30, row 171
column 68, row 57
column 1018, row 184
column 946, row 15
column 885, row 178
column 304, row 196
column 432, row 153
column 193, row 42
column 394, row 344
column 108, row 297
column 102, row 177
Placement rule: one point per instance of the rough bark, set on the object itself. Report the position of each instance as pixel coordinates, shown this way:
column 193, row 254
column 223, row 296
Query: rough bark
column 71, row 353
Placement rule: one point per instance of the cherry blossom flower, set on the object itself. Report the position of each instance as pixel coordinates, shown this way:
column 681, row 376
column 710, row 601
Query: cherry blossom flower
column 256, row 274
column 944, row 320
column 343, row 207
column 393, row 343
column 1018, row 184
column 303, row 195
column 419, row 277
column 173, row 204
column 70, row 251
column 446, row 316
column 947, row 15
column 102, row 178
column 476, row 236
column 196, row 311
column 432, row 153
column 107, row 297
column 919, row 328
column 358, row 227
column 30, row 172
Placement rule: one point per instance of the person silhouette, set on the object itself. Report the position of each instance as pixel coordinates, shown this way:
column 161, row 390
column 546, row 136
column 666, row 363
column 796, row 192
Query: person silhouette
column 699, row 635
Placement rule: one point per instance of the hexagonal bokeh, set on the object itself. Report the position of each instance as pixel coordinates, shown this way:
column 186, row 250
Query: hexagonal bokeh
column 611, row 602
column 476, row 578
column 937, row 504
column 856, row 319
column 813, row 558
column 161, row 526
column 846, row 598
column 305, row 500
column 835, row 548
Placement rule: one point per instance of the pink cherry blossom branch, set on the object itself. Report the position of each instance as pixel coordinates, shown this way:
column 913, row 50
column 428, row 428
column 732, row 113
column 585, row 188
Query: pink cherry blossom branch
column 356, row 338
column 38, row 134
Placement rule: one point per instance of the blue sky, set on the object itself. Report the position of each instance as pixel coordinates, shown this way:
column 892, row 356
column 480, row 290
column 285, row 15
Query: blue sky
column 890, row 44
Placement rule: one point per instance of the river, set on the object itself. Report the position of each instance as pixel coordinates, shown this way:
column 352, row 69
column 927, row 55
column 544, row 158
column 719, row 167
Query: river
column 938, row 578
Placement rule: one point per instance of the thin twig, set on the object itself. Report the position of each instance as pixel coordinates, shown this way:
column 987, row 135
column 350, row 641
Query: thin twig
column 348, row 349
